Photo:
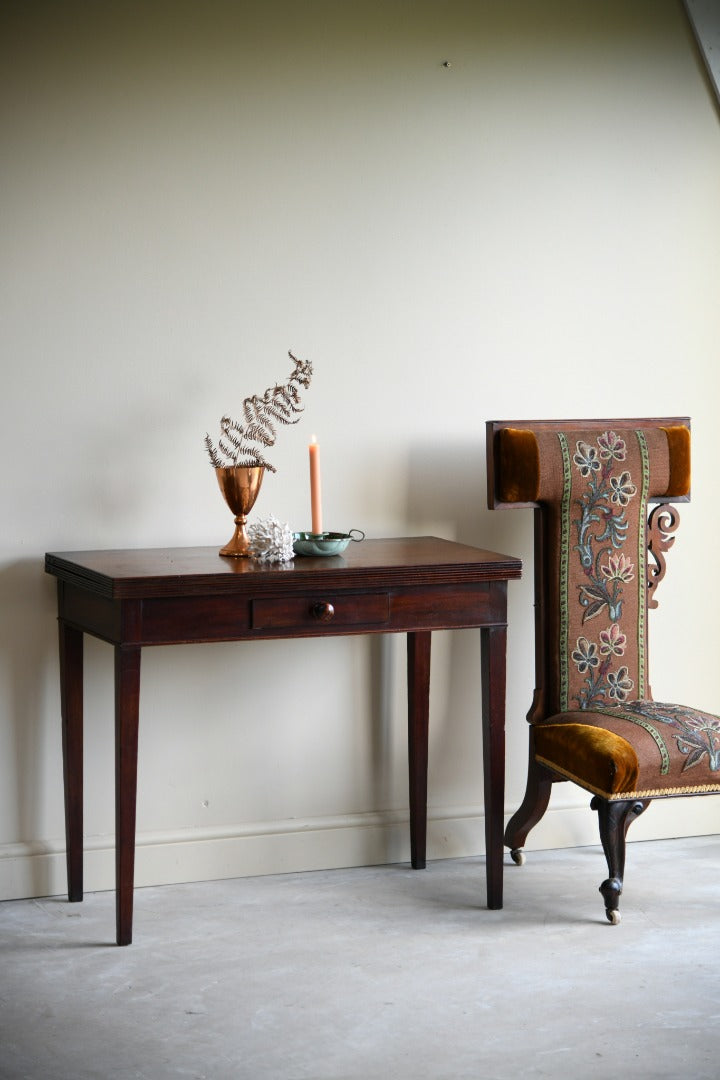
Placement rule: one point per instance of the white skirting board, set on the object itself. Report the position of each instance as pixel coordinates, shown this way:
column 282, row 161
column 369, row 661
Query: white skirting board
column 30, row 870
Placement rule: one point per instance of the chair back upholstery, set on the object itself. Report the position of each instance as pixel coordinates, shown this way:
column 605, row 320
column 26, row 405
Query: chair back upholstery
column 590, row 483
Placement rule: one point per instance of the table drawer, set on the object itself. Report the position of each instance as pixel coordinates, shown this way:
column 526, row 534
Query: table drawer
column 302, row 612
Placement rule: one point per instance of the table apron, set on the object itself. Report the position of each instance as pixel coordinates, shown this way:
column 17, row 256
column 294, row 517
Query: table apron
column 242, row 616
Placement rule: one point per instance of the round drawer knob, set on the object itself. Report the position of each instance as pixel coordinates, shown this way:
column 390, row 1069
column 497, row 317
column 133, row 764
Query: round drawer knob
column 322, row 611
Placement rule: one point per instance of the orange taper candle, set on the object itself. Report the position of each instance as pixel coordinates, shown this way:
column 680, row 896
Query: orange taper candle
column 315, row 486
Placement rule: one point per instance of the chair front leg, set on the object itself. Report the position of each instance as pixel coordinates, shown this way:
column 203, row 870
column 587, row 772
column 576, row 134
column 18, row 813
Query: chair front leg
column 615, row 818
column 537, row 796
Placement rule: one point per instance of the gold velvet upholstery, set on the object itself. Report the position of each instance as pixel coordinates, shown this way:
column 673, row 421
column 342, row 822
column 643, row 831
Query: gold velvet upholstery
column 593, row 720
column 679, row 448
column 600, row 760
column 519, row 466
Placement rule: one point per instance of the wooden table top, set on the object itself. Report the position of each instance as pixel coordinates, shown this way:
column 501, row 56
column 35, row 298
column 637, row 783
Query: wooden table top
column 144, row 572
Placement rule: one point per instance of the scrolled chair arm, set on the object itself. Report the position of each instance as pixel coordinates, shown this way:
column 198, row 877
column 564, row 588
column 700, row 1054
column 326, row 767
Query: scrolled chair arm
column 663, row 522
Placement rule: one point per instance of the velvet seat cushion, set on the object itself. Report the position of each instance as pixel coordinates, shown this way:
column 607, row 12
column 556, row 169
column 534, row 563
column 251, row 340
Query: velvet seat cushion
column 640, row 749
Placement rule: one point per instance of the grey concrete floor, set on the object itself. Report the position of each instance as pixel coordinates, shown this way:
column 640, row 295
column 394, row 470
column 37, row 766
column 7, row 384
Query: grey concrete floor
column 380, row 972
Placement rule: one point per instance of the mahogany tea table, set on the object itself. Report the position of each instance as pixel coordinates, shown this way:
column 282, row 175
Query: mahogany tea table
column 137, row 598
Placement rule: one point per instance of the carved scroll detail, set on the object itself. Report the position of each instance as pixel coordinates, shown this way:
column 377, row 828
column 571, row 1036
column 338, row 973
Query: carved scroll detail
column 662, row 522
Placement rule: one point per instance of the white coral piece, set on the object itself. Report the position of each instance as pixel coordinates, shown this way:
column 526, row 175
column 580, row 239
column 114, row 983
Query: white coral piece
column 270, row 540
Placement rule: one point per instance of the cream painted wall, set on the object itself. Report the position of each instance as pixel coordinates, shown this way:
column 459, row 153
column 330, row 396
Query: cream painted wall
column 188, row 190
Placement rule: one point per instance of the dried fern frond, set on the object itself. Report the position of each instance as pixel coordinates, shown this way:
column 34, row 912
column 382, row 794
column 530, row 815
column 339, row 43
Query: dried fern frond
column 257, row 433
column 303, row 371
column 229, row 436
column 239, row 443
column 215, row 458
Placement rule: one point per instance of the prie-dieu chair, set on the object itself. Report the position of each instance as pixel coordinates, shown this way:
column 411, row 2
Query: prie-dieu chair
column 598, row 559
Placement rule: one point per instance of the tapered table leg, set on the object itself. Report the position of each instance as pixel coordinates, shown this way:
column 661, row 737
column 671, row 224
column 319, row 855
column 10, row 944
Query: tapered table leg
column 127, row 703
column 418, row 670
column 493, row 645
column 71, row 708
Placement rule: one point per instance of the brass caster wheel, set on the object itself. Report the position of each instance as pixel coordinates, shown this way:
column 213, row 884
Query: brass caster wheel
column 613, row 917
column 518, row 856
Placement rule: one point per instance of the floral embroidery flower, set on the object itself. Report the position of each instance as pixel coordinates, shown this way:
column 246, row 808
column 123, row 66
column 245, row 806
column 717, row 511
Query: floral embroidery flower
column 612, row 446
column 623, row 489
column 586, row 459
column 696, row 733
column 612, row 641
column 618, row 568
column 619, row 684
column 585, row 655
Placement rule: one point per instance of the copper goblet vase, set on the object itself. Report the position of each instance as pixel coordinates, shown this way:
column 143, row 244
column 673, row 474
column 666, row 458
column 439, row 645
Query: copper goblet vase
column 240, row 485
